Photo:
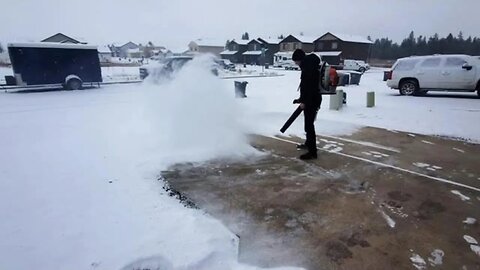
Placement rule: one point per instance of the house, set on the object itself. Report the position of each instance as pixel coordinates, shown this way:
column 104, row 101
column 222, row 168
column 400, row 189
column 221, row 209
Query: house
column 62, row 38
column 135, row 53
column 291, row 43
column 253, row 55
column 125, row 50
column 234, row 51
column 205, row 45
column 104, row 54
column 152, row 51
column 337, row 47
column 272, row 45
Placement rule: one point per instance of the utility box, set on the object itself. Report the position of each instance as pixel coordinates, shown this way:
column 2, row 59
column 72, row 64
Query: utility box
column 240, row 89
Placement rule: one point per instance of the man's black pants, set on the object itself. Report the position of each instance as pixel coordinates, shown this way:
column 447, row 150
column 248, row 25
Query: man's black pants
column 310, row 114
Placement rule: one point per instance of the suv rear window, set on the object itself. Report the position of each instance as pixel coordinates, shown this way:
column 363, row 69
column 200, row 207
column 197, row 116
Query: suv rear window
column 431, row 62
column 455, row 62
column 407, row 64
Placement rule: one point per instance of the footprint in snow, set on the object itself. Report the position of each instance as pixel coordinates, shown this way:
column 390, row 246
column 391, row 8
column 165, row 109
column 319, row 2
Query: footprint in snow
column 473, row 244
column 427, row 166
column 375, row 154
column 460, row 195
column 332, row 148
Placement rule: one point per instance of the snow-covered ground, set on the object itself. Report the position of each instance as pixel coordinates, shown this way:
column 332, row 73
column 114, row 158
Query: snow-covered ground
column 79, row 172
column 120, row 73
column 79, row 169
column 453, row 115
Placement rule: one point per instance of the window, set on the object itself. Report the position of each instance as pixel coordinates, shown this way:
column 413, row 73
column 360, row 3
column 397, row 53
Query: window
column 455, row 62
column 407, row 64
column 334, row 45
column 431, row 62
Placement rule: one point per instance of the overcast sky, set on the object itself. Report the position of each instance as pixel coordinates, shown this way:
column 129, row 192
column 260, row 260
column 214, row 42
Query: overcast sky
column 175, row 22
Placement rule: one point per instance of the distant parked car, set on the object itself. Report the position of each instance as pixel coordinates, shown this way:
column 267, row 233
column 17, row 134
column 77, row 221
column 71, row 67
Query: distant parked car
column 165, row 68
column 357, row 65
column 226, row 64
column 420, row 74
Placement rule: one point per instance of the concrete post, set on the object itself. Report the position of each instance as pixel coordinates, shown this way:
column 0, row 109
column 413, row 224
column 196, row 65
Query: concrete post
column 336, row 101
column 370, row 99
column 340, row 98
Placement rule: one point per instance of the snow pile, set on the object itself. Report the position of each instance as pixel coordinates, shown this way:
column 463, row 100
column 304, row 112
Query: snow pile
column 79, row 172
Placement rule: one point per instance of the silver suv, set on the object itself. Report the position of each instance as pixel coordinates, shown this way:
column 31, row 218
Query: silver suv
column 419, row 74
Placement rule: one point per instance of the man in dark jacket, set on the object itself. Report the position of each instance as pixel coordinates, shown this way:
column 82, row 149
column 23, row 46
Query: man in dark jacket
column 310, row 98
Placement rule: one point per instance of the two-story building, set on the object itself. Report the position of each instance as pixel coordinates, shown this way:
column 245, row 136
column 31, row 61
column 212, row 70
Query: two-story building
column 273, row 46
column 205, row 45
column 234, row 51
column 253, row 55
column 334, row 48
column 291, row 43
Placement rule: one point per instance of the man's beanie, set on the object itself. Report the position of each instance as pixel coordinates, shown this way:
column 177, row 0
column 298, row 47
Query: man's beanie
column 298, row 55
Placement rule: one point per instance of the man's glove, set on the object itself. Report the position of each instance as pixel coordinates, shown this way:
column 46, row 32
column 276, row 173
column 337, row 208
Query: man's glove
column 296, row 101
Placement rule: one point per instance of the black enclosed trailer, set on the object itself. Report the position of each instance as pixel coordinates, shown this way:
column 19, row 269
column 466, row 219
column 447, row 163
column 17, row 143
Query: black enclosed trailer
column 69, row 65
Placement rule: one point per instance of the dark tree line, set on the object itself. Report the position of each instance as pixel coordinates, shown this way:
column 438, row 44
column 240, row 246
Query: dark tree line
column 385, row 48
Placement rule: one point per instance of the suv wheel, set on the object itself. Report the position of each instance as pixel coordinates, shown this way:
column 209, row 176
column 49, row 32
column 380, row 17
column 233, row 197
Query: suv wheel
column 408, row 88
column 362, row 70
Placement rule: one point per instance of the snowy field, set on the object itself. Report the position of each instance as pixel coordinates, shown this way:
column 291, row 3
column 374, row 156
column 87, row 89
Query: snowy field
column 80, row 169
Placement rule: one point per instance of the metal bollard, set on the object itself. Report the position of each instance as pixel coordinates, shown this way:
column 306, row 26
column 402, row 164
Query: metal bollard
column 370, row 99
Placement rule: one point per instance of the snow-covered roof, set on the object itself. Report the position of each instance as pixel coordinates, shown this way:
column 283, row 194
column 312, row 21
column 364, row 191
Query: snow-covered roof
column 351, row 38
column 104, row 49
column 332, row 53
column 67, row 37
column 52, row 45
column 210, row 42
column 283, row 53
column 252, row 53
column 271, row 40
column 242, row 41
column 180, row 49
column 306, row 39
column 227, row 52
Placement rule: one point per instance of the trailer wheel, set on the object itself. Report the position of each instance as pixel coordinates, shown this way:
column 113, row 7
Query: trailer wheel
column 74, row 84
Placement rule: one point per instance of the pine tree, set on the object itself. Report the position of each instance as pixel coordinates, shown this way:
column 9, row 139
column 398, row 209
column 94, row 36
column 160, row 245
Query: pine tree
column 1, row 48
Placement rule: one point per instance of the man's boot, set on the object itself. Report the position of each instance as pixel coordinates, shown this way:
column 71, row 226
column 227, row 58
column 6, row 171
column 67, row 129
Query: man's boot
column 308, row 156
